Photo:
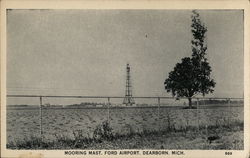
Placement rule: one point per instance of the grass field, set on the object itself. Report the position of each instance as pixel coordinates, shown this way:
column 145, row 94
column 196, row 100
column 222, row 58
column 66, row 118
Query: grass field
column 127, row 123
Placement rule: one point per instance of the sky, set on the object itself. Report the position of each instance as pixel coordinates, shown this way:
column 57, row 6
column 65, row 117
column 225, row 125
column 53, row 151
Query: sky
column 85, row 52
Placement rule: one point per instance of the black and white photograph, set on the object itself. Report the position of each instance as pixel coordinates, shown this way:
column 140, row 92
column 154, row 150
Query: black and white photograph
column 125, row 80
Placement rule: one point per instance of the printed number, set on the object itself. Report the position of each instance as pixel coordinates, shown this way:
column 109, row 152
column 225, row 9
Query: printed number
column 228, row 153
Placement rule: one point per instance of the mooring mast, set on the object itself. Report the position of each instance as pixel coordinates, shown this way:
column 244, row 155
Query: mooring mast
column 128, row 100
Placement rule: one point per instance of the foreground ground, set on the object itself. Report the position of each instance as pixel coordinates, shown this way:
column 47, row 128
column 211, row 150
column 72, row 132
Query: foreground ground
column 206, row 137
column 25, row 123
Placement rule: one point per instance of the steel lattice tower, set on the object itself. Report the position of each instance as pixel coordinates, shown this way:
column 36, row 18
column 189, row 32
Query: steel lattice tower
column 128, row 100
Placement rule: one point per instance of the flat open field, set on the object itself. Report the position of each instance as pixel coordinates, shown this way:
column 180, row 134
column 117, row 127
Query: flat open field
column 24, row 123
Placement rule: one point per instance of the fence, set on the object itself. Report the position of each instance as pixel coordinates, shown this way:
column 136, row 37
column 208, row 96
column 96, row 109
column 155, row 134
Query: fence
column 156, row 114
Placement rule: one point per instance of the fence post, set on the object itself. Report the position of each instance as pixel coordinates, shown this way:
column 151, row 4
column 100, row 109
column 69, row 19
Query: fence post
column 158, row 112
column 229, row 102
column 108, row 109
column 230, row 110
column 41, row 117
column 197, row 113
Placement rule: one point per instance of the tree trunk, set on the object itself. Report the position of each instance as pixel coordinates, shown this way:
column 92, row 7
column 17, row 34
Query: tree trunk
column 190, row 102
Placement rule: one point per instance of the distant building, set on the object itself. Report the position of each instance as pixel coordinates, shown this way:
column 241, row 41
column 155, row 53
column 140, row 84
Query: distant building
column 99, row 105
